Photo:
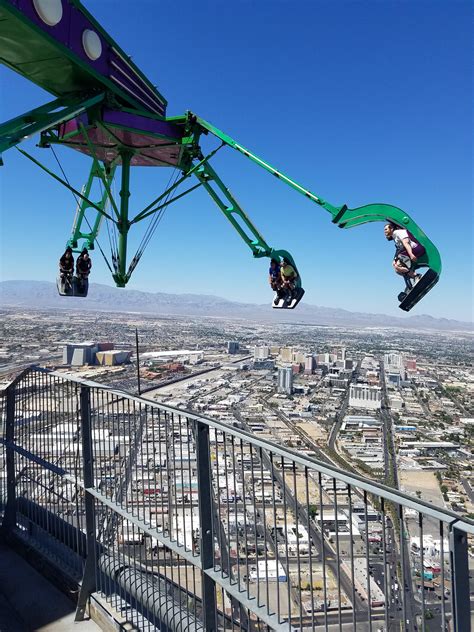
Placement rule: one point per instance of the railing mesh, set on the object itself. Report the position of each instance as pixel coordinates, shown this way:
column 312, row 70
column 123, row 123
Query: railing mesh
column 188, row 523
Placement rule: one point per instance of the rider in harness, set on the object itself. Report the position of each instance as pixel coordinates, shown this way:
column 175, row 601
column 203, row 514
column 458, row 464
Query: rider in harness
column 83, row 265
column 406, row 254
column 288, row 277
column 66, row 266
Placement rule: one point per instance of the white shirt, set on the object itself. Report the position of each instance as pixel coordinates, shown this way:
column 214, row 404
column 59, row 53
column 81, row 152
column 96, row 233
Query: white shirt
column 399, row 235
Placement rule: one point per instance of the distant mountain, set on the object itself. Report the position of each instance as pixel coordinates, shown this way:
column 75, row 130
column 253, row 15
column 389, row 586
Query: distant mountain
column 42, row 294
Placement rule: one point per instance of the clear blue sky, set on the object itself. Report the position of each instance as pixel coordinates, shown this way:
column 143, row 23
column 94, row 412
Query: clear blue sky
column 359, row 101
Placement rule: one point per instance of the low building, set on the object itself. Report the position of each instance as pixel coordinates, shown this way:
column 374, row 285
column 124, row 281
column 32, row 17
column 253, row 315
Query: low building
column 365, row 396
column 112, row 358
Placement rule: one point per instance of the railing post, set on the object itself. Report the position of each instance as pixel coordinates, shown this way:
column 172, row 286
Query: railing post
column 88, row 584
column 205, row 524
column 460, row 580
column 9, row 518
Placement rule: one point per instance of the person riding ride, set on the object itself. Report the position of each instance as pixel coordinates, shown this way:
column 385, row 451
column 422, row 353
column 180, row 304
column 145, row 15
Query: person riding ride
column 66, row 265
column 83, row 265
column 407, row 252
column 274, row 276
column 288, row 275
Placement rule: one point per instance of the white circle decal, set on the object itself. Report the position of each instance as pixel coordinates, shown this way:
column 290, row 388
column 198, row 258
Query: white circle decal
column 50, row 11
column 91, row 44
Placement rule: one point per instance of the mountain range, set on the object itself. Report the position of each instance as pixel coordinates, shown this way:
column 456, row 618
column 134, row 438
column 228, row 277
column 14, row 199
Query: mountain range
column 43, row 294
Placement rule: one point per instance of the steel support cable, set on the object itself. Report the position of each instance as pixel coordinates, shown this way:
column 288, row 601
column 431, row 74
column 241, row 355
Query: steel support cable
column 153, row 225
column 154, row 221
column 113, row 252
column 77, row 202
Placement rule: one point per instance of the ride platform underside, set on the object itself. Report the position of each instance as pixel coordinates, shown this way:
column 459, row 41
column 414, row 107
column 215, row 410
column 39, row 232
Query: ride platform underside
column 105, row 108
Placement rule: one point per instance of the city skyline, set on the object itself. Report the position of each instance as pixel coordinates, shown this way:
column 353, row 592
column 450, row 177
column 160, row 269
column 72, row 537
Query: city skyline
column 301, row 420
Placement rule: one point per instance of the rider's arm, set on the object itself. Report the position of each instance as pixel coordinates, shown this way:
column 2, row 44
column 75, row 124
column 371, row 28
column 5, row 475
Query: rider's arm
column 407, row 245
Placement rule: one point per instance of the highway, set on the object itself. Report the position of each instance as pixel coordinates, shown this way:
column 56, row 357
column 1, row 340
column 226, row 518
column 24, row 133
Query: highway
column 342, row 411
column 391, row 459
column 301, row 515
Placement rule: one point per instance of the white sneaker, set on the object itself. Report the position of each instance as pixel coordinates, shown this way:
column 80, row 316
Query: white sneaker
column 416, row 279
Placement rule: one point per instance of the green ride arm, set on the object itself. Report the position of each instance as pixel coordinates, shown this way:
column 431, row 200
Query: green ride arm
column 100, row 173
column 334, row 210
column 342, row 215
column 348, row 218
column 16, row 130
column 234, row 212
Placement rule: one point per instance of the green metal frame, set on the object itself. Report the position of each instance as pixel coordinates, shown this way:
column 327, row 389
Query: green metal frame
column 45, row 118
column 17, row 130
column 97, row 173
column 235, row 214
column 342, row 215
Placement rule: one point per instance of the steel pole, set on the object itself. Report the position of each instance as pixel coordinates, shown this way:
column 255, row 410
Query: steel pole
column 203, row 457
column 9, row 518
column 88, row 584
column 460, row 580
column 138, row 361
column 123, row 223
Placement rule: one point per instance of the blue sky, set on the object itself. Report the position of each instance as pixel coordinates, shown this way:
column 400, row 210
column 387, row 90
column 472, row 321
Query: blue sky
column 359, row 101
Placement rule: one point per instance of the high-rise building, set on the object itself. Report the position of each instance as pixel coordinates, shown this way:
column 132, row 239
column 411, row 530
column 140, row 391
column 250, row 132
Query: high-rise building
column 309, row 365
column 298, row 357
column 365, row 396
column 261, row 353
column 393, row 359
column 285, row 380
column 232, row 347
column 394, row 366
column 286, row 354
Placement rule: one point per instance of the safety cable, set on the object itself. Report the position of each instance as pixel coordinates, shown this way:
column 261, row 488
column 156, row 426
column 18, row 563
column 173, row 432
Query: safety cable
column 77, row 202
column 113, row 255
column 153, row 225
column 156, row 221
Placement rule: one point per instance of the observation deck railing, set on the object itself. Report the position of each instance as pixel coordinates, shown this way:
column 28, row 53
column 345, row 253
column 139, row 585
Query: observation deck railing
column 179, row 522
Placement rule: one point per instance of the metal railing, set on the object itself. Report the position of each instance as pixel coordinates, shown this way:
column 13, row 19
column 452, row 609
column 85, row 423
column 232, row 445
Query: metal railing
column 182, row 522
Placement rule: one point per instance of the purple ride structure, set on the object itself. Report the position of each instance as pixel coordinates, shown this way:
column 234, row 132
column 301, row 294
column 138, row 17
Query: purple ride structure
column 106, row 108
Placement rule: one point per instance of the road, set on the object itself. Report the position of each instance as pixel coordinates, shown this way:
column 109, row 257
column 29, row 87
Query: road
column 302, row 516
column 468, row 489
column 342, row 411
column 169, row 385
column 391, row 459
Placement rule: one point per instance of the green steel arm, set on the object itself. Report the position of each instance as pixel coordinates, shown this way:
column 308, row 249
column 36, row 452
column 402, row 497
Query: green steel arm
column 232, row 211
column 348, row 218
column 58, row 111
column 237, row 217
column 105, row 182
column 334, row 210
column 342, row 215
column 96, row 172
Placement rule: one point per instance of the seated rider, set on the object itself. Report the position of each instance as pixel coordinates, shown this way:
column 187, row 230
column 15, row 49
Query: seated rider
column 66, row 263
column 288, row 276
column 407, row 252
column 83, row 264
column 274, row 277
